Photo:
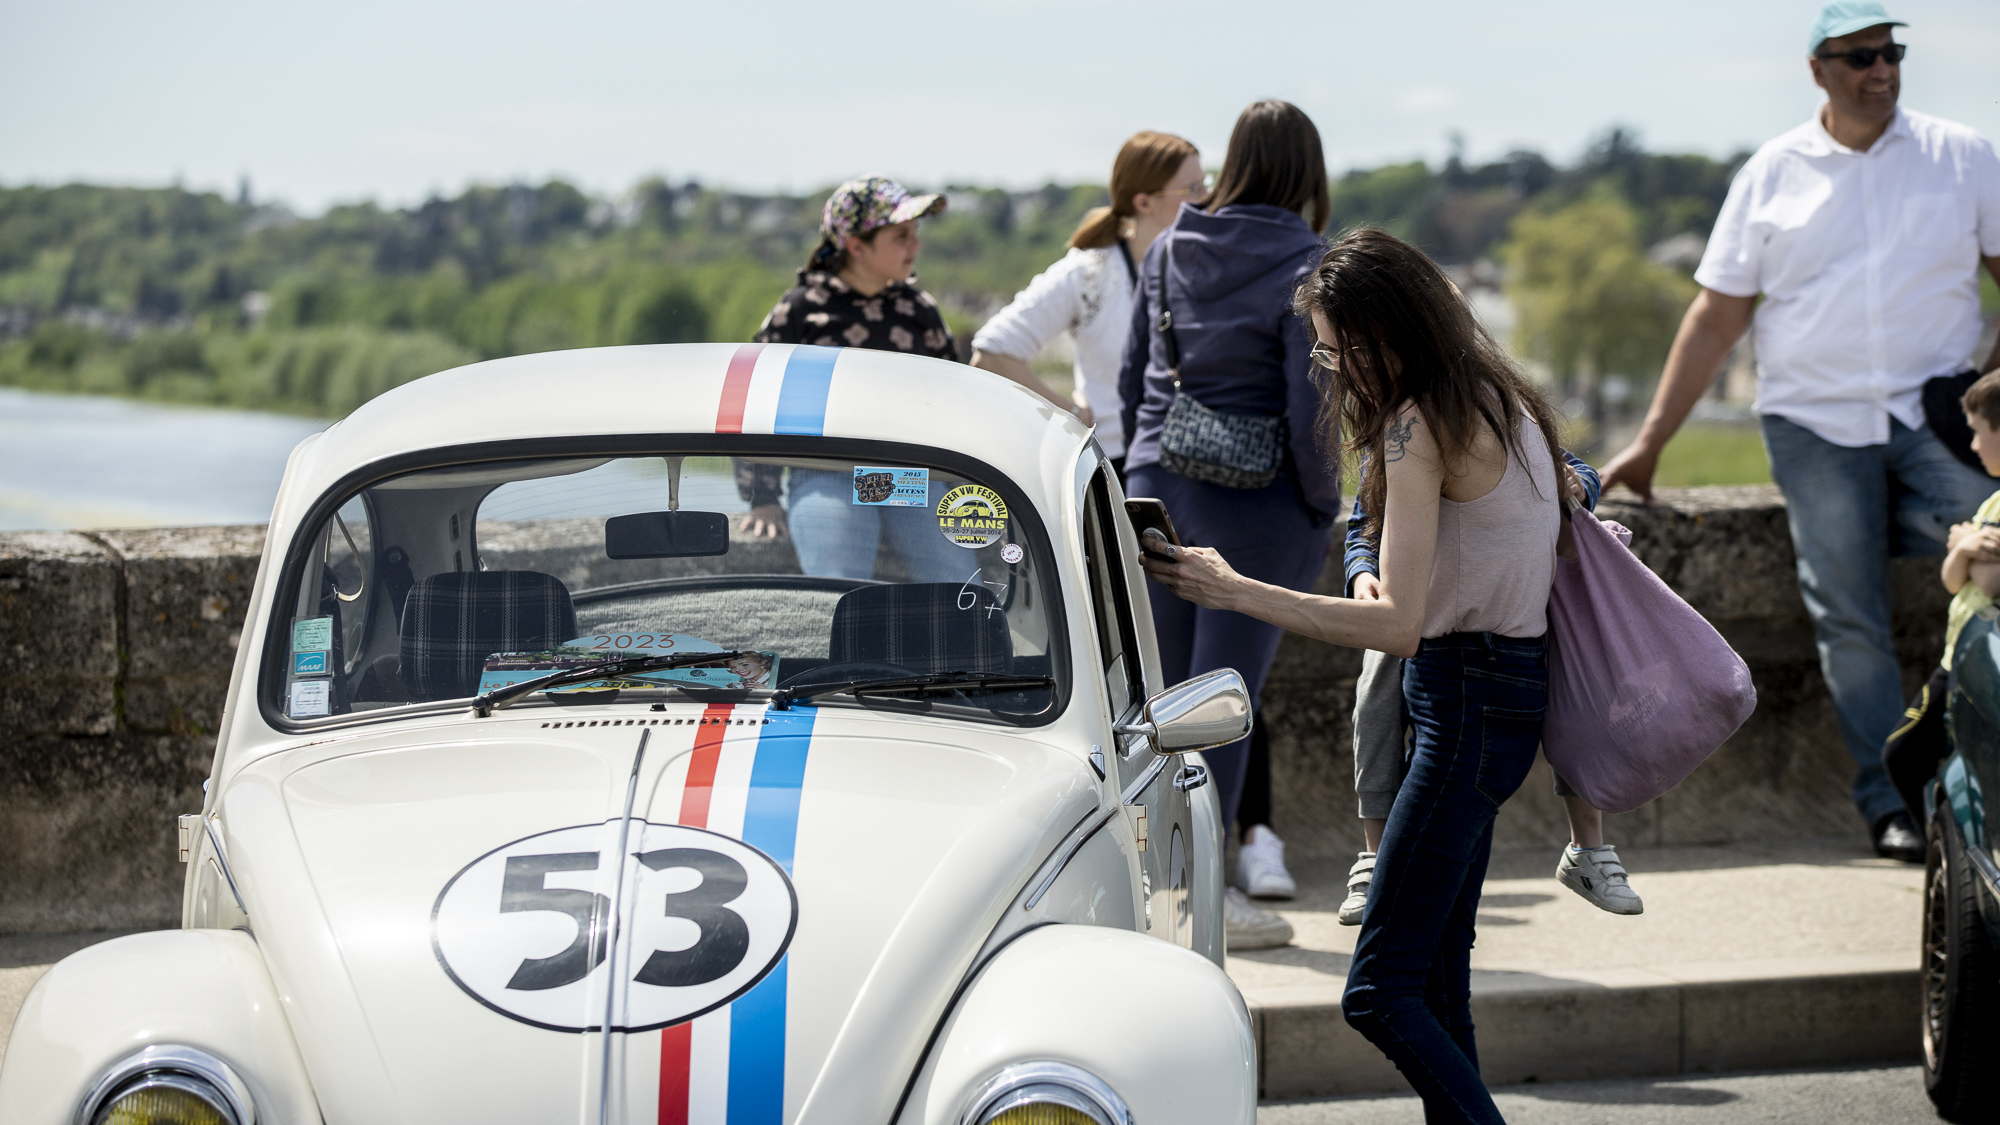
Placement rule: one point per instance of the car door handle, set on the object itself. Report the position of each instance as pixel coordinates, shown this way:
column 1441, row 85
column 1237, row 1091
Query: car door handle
column 1191, row 777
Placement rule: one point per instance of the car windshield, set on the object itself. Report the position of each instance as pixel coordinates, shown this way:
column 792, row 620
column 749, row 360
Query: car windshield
column 797, row 573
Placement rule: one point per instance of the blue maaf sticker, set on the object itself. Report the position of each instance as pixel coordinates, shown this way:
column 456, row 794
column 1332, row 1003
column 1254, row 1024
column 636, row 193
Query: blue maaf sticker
column 309, row 664
column 312, row 634
column 892, row 488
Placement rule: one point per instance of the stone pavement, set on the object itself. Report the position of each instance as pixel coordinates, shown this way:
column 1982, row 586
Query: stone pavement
column 1757, row 955
column 1752, row 956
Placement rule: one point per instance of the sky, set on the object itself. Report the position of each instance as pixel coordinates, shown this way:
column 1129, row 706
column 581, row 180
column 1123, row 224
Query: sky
column 330, row 103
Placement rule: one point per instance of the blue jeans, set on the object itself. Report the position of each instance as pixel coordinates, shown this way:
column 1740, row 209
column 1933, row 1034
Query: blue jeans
column 1850, row 509
column 1475, row 702
column 1267, row 535
column 837, row 538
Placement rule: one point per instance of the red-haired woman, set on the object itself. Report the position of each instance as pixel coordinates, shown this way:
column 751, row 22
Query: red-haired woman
column 1089, row 292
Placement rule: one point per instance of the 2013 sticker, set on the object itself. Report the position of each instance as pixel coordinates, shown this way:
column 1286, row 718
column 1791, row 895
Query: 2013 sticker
column 889, row 487
column 972, row 516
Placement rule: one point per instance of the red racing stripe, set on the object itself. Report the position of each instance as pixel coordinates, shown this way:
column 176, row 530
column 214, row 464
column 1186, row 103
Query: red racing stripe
column 736, row 389
column 676, row 1047
column 677, row 1042
column 701, row 766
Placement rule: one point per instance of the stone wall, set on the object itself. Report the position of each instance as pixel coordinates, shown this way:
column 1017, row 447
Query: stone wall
column 1785, row 773
column 115, row 653
column 116, row 648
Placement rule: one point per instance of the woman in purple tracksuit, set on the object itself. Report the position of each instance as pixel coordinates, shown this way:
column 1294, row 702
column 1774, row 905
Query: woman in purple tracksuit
column 1235, row 263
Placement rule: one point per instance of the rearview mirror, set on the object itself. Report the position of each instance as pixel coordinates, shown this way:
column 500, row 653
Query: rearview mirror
column 1200, row 714
column 666, row 535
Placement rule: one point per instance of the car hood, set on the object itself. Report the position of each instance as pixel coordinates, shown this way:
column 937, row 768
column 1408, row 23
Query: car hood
column 795, row 898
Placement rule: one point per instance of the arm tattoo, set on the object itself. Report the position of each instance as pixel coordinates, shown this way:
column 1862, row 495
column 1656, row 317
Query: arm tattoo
column 1398, row 438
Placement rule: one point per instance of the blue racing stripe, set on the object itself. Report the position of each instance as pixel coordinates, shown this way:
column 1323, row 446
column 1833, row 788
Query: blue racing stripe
column 802, row 396
column 771, row 825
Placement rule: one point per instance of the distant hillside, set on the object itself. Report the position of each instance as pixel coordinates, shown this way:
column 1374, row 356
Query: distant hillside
column 190, row 296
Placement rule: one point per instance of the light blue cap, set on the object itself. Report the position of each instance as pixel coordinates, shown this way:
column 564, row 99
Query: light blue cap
column 1845, row 17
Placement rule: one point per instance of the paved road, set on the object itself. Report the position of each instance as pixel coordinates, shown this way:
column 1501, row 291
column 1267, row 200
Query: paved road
column 1868, row 1096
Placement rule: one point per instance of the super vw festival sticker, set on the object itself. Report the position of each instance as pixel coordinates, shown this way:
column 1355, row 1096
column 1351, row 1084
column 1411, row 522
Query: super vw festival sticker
column 525, row 929
column 972, row 515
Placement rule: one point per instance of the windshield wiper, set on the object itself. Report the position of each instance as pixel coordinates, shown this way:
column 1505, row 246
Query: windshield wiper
column 492, row 701
column 911, row 685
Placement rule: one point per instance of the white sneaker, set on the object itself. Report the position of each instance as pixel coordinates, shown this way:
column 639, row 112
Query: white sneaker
column 1596, row 874
column 1246, row 927
column 1260, row 865
column 1358, row 878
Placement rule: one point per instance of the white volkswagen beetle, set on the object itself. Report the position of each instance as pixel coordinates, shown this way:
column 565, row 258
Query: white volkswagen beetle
column 542, row 796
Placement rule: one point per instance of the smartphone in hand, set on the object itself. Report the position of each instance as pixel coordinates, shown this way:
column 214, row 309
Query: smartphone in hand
column 1154, row 527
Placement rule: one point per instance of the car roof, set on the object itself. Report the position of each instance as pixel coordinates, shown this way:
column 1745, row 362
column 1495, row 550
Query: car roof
column 701, row 389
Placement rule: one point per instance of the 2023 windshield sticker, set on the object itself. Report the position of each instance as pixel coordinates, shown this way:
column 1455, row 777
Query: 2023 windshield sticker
column 972, row 516
column 886, row 487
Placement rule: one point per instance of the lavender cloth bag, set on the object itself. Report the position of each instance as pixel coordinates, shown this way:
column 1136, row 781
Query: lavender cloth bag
column 1642, row 689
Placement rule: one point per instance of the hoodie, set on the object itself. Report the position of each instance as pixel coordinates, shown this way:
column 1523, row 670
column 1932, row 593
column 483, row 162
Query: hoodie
column 1243, row 350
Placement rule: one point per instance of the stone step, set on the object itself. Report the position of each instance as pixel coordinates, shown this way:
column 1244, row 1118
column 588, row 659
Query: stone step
column 1773, row 954
column 1695, row 1017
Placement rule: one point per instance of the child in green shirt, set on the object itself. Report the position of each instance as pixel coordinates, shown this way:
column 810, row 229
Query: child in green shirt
column 1972, row 574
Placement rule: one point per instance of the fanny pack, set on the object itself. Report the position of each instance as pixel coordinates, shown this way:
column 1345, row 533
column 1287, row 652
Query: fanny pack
column 1946, row 417
column 1233, row 450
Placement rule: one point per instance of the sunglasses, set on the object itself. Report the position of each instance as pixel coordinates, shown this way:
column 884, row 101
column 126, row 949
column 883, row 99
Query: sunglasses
column 1861, row 58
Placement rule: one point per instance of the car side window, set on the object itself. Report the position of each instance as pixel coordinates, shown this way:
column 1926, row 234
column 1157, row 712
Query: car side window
column 1110, row 604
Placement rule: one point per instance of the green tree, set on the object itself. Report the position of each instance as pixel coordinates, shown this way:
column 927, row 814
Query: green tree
column 1590, row 303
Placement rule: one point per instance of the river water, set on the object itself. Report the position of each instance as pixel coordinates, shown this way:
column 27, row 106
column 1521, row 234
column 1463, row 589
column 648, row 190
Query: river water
column 82, row 461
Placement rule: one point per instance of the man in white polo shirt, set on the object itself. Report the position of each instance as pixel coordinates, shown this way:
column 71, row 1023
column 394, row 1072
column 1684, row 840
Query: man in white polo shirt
column 1863, row 230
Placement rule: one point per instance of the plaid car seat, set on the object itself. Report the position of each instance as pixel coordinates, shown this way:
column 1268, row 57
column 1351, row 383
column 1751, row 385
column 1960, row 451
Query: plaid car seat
column 453, row 621
column 922, row 627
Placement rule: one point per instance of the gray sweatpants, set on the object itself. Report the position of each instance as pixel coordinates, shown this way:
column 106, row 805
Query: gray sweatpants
column 1381, row 737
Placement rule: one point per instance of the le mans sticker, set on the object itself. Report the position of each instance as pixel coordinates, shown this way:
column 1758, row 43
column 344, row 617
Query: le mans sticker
column 972, row 516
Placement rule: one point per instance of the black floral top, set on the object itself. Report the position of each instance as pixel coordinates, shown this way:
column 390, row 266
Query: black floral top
column 822, row 309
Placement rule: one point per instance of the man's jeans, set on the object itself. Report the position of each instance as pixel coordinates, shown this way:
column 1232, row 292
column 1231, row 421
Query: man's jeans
column 1850, row 509
column 1475, row 701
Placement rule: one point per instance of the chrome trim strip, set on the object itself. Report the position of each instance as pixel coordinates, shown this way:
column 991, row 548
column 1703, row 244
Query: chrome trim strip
column 617, row 915
column 1078, row 837
column 186, row 1062
column 1103, row 1102
column 222, row 864
column 1137, row 788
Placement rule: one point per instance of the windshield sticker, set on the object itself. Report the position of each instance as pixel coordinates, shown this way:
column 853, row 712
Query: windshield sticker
column 312, row 634
column 1011, row 553
column 755, row 671
column 972, row 516
column 309, row 664
column 709, row 917
column 310, row 699
column 892, row 488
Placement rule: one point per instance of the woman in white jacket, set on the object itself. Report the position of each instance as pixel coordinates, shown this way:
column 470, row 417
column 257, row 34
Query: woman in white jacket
column 1089, row 292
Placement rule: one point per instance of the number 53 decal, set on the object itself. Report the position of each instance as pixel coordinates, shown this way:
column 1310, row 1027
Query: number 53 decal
column 526, row 928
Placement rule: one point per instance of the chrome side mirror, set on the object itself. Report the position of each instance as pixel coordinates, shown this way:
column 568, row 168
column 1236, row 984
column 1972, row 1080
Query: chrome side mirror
column 1200, row 714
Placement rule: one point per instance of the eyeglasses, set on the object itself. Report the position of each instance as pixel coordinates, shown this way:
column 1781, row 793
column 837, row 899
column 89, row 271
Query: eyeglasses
column 1326, row 357
column 1861, row 58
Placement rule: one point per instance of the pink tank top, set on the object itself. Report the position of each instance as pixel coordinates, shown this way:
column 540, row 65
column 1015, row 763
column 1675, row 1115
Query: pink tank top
column 1496, row 556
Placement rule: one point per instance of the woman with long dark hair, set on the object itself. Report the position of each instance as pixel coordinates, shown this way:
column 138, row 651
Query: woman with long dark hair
column 1461, row 483
column 1089, row 292
column 1216, row 348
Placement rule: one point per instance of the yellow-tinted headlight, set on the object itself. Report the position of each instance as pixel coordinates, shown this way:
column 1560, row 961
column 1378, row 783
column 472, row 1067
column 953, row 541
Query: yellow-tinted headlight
column 1044, row 1113
column 160, row 1104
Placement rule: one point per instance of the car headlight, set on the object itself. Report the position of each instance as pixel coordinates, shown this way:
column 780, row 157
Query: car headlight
column 168, row 1086
column 1046, row 1093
